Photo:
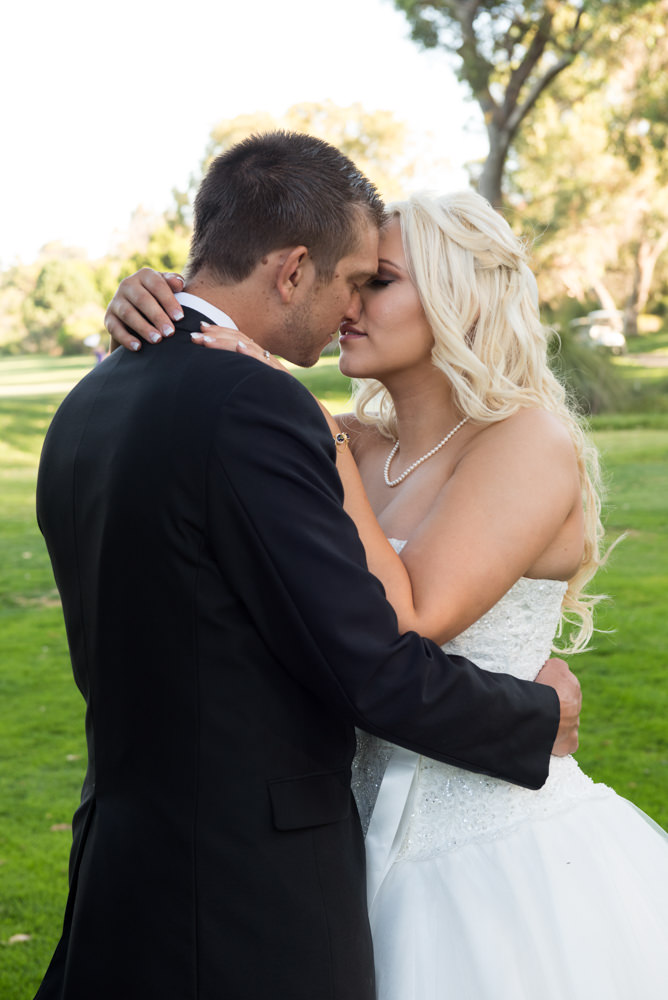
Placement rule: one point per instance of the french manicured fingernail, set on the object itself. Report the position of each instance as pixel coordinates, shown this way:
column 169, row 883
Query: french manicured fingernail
column 167, row 331
column 177, row 315
column 241, row 345
column 135, row 345
column 204, row 324
column 197, row 336
column 172, row 274
column 154, row 337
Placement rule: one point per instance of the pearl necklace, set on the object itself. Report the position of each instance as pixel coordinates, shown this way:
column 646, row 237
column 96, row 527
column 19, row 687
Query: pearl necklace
column 411, row 468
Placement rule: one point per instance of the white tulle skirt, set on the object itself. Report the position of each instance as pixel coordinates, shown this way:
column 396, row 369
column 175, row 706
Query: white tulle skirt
column 574, row 907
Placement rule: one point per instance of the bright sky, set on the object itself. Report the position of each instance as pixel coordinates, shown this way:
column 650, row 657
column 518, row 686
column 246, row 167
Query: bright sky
column 107, row 107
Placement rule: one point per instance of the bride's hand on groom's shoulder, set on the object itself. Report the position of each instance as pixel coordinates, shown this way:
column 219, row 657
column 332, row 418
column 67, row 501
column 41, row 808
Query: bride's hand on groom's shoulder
column 557, row 674
column 143, row 307
column 220, row 338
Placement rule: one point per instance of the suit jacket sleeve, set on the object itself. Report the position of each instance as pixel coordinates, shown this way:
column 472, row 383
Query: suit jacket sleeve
column 275, row 515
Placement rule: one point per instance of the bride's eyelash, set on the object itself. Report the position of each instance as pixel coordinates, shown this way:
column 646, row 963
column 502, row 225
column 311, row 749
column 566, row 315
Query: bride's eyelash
column 379, row 282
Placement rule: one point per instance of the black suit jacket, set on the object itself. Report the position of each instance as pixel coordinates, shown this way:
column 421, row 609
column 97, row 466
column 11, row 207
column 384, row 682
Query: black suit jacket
column 227, row 638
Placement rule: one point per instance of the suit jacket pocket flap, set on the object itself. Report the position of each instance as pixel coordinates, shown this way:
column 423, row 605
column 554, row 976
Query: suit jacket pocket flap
column 310, row 800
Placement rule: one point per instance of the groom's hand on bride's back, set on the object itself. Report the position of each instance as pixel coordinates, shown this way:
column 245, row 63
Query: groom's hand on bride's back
column 556, row 674
column 143, row 307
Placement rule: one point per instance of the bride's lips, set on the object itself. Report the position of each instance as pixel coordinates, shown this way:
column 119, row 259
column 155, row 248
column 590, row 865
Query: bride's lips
column 348, row 333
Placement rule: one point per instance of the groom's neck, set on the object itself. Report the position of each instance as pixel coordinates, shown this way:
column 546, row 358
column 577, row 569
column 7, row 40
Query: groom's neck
column 242, row 301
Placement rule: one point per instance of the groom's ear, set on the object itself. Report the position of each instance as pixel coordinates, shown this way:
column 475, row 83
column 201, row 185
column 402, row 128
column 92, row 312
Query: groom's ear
column 294, row 266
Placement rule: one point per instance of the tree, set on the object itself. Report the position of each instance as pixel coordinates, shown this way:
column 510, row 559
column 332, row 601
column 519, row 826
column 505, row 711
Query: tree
column 15, row 284
column 592, row 172
column 165, row 250
column 509, row 52
column 376, row 141
column 640, row 130
column 63, row 306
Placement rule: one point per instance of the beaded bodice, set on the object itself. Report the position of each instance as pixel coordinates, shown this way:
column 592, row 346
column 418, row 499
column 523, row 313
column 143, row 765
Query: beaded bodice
column 449, row 806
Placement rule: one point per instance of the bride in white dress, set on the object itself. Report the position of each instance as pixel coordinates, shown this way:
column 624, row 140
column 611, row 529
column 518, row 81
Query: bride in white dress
column 478, row 889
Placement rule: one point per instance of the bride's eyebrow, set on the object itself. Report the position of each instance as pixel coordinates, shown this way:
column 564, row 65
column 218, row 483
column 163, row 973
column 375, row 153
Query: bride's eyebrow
column 386, row 260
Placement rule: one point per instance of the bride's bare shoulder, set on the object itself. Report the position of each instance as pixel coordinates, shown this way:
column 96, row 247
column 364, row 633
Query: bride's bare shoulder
column 533, row 429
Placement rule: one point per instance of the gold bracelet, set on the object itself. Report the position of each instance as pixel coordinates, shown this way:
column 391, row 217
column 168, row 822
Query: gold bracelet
column 341, row 440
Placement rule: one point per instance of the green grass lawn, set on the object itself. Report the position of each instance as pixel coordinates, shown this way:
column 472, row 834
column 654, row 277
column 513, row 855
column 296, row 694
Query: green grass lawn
column 624, row 736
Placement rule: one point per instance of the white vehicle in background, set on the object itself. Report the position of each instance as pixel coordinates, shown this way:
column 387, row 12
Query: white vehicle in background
column 604, row 328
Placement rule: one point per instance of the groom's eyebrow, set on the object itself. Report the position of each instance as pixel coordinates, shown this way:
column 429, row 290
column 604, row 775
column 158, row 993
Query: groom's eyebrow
column 365, row 276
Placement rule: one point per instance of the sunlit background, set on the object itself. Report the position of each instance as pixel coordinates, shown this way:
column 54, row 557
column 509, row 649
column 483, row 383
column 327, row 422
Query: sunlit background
column 108, row 108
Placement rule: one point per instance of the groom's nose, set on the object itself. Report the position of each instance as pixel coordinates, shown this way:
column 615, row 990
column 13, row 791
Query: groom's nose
column 354, row 307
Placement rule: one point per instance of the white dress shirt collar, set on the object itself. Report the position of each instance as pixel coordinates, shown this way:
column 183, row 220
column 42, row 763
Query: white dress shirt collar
column 217, row 316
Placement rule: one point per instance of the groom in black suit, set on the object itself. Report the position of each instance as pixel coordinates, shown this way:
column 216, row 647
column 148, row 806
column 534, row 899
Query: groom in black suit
column 225, row 632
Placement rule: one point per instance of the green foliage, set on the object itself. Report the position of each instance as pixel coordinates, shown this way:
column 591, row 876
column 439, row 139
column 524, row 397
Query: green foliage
column 376, row 141
column 506, row 29
column 327, row 383
column 85, row 322
column 639, row 129
column 166, row 250
column 590, row 175
column 593, row 381
column 107, row 275
column 63, row 306
column 15, row 284
column 598, row 383
column 510, row 53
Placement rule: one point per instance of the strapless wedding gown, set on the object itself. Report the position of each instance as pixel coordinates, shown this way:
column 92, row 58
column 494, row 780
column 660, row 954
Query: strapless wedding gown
column 481, row 890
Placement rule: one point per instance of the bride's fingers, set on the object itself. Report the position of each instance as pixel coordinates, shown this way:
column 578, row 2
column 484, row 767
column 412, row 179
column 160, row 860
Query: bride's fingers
column 144, row 305
column 218, row 337
column 221, row 339
column 126, row 325
column 175, row 281
column 119, row 334
column 259, row 352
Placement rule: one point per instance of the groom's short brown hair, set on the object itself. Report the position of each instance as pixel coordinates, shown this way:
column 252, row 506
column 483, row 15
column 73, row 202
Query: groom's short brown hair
column 277, row 190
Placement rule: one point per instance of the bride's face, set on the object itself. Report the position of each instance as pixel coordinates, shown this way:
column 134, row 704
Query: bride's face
column 392, row 335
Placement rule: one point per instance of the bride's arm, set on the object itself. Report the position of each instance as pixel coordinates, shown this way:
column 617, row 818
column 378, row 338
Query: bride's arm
column 381, row 558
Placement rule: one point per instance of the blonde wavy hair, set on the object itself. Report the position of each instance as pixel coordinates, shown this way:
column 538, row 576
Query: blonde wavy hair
column 481, row 300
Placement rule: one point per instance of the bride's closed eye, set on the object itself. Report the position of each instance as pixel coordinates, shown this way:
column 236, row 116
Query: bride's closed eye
column 379, row 282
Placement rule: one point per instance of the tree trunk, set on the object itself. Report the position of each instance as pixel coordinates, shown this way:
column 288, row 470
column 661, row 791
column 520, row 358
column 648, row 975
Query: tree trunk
column 632, row 306
column 630, row 326
column 645, row 261
column 603, row 295
column 489, row 183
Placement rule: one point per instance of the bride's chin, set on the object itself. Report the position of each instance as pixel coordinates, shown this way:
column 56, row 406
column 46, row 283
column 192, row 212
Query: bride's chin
column 347, row 364
column 353, row 367
column 348, row 370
